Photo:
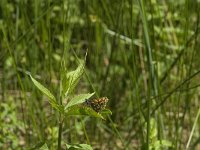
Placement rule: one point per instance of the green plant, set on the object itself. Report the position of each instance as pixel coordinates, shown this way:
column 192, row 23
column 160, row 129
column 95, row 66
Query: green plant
column 10, row 126
column 154, row 142
column 74, row 105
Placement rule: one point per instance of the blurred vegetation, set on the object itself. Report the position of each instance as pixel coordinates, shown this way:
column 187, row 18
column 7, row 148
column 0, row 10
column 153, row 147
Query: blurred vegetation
column 143, row 55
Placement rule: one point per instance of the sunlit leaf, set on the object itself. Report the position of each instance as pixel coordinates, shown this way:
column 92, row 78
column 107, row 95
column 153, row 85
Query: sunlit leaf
column 78, row 147
column 82, row 110
column 160, row 144
column 44, row 147
column 71, row 79
column 78, row 99
column 52, row 99
column 153, row 129
column 166, row 143
column 106, row 111
column 40, row 146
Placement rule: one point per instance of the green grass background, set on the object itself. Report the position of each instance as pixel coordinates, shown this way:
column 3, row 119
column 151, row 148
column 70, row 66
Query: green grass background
column 142, row 54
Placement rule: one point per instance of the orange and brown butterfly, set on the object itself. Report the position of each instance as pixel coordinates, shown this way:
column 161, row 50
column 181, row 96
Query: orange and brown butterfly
column 97, row 104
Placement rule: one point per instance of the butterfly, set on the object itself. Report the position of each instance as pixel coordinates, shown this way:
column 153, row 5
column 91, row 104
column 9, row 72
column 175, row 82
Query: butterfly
column 97, row 104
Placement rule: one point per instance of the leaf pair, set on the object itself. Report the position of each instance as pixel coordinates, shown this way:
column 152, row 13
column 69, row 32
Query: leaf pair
column 69, row 82
column 72, row 108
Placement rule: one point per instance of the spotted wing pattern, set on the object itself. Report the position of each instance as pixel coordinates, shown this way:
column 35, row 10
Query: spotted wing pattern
column 97, row 104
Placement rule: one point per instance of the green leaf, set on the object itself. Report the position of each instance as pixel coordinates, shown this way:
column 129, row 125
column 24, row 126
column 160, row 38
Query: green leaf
column 44, row 147
column 153, row 129
column 43, row 89
column 78, row 147
column 82, row 110
column 166, row 143
column 52, row 99
column 78, row 99
column 40, row 146
column 106, row 111
column 71, row 79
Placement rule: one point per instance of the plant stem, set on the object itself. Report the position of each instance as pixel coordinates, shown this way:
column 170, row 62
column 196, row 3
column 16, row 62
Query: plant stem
column 194, row 126
column 61, row 97
column 60, row 132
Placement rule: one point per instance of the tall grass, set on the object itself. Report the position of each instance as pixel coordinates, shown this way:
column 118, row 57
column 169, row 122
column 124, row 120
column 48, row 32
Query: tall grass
column 143, row 55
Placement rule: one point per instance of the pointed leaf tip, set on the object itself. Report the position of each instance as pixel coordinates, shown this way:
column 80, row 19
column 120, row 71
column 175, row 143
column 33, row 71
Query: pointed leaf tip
column 44, row 90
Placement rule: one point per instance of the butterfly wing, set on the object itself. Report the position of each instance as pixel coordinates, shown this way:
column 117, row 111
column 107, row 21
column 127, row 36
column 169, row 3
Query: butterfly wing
column 99, row 104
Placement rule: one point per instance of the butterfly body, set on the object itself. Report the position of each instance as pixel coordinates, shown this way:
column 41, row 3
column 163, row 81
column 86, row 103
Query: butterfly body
column 97, row 104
